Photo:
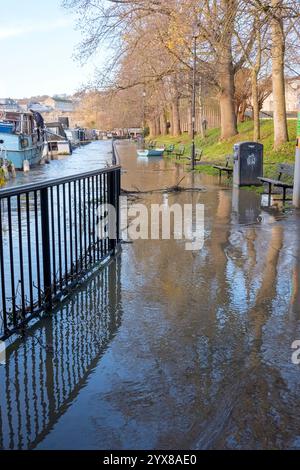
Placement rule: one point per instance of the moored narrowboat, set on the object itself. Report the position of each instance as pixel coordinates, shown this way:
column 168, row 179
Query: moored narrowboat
column 21, row 137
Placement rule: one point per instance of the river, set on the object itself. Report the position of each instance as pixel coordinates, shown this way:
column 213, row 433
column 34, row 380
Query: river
column 168, row 348
column 86, row 158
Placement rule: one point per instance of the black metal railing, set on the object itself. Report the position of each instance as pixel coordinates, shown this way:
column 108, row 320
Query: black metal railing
column 49, row 240
column 44, row 374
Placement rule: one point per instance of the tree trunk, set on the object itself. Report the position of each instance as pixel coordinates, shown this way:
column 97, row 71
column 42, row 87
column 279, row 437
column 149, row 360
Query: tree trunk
column 241, row 110
column 201, row 110
column 256, row 132
column 157, row 126
column 227, row 104
column 152, row 127
column 163, row 124
column 278, row 56
column 176, row 128
column 226, row 72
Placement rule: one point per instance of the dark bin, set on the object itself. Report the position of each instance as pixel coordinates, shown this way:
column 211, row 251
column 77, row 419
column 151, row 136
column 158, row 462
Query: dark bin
column 248, row 163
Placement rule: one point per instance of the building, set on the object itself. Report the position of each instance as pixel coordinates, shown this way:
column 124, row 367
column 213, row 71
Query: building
column 60, row 104
column 292, row 95
column 54, row 108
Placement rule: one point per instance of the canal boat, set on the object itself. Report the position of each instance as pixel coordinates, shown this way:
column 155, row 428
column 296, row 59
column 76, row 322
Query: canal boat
column 57, row 142
column 21, row 137
column 73, row 136
column 157, row 152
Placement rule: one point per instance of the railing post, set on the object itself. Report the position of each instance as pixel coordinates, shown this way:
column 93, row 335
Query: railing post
column 46, row 248
column 111, row 179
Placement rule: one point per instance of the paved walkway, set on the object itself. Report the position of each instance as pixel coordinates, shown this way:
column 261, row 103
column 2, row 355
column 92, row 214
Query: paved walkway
column 170, row 348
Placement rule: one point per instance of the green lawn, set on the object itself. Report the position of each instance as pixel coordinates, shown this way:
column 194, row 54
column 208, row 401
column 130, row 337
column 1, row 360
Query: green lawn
column 215, row 151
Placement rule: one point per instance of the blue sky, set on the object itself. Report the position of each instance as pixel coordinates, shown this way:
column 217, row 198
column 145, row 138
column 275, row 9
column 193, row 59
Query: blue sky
column 37, row 42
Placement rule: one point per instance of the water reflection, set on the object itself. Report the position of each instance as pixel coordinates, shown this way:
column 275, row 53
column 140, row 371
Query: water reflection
column 202, row 358
column 46, row 371
column 220, row 359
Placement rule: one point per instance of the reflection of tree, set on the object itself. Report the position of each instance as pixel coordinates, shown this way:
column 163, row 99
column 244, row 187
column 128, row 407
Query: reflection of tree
column 220, row 235
column 260, row 418
column 260, row 313
column 181, row 293
column 219, row 353
column 45, row 373
column 251, row 238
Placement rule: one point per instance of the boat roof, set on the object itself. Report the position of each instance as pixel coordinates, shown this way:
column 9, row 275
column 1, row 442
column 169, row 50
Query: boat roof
column 14, row 115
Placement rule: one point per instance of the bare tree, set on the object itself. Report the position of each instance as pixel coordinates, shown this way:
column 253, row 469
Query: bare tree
column 151, row 49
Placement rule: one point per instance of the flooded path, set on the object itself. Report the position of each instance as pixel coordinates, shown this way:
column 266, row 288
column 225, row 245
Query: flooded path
column 168, row 348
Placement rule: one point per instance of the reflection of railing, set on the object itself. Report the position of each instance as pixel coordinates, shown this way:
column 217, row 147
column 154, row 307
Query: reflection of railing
column 45, row 373
column 49, row 240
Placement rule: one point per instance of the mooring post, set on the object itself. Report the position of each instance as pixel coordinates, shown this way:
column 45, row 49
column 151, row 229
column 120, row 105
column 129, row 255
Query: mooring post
column 296, row 197
column 46, row 248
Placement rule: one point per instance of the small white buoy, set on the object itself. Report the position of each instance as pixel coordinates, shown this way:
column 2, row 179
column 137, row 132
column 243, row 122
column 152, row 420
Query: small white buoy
column 26, row 166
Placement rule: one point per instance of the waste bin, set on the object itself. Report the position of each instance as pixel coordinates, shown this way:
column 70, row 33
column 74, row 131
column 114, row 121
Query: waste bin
column 248, row 163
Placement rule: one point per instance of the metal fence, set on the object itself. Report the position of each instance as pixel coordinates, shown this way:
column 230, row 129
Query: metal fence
column 49, row 240
column 44, row 374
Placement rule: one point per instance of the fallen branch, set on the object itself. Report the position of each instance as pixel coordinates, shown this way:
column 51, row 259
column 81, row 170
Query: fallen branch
column 171, row 189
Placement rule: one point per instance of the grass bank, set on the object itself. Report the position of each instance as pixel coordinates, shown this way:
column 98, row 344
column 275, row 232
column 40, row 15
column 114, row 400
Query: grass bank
column 216, row 151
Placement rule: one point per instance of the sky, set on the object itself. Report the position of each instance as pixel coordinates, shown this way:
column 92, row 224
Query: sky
column 37, row 44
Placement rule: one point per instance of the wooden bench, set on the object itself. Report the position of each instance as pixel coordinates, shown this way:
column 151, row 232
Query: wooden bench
column 198, row 155
column 179, row 152
column 170, row 149
column 228, row 168
column 283, row 170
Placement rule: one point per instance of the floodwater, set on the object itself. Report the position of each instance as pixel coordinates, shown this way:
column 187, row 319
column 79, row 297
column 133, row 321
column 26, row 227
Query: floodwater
column 168, row 348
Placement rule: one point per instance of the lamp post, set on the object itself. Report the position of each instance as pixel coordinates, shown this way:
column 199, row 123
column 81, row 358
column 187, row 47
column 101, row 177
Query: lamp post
column 195, row 35
column 144, row 96
column 296, row 198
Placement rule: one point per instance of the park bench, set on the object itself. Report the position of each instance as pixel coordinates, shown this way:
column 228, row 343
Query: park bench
column 198, row 155
column 179, row 152
column 284, row 170
column 170, row 149
column 228, row 168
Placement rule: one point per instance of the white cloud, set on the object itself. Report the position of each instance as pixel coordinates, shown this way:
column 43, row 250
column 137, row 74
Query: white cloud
column 21, row 30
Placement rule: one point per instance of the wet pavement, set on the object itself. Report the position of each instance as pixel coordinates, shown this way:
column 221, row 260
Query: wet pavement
column 168, row 348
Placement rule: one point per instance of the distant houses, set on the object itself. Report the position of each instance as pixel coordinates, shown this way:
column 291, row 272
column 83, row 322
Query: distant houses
column 54, row 108
column 60, row 104
column 292, row 96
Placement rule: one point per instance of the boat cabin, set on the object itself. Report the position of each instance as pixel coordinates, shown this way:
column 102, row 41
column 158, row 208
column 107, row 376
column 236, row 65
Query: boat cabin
column 55, row 131
column 17, row 123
